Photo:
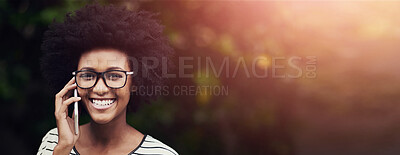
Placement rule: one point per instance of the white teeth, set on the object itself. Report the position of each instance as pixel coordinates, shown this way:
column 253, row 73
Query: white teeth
column 102, row 102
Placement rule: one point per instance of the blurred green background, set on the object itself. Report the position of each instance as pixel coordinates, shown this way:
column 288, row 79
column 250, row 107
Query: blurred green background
column 350, row 107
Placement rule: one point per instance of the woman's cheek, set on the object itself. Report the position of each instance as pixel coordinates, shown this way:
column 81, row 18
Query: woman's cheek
column 84, row 95
column 121, row 96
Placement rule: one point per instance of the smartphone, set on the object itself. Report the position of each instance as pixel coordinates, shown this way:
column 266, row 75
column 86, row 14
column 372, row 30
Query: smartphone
column 76, row 116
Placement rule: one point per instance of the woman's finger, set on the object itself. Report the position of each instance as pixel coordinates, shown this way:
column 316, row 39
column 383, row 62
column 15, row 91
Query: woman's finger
column 65, row 90
column 62, row 91
column 70, row 81
column 67, row 102
column 61, row 95
column 63, row 109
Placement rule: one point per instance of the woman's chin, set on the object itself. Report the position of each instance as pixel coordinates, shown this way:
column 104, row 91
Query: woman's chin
column 101, row 118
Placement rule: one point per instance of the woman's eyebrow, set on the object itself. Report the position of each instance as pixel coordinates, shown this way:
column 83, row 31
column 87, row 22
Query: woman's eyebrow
column 114, row 68
column 109, row 68
column 87, row 68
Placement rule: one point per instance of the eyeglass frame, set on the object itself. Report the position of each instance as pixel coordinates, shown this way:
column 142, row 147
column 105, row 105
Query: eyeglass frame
column 102, row 76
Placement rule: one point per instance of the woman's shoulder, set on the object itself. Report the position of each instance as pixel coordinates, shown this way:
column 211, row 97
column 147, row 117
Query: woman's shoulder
column 49, row 141
column 150, row 145
column 52, row 133
column 51, row 137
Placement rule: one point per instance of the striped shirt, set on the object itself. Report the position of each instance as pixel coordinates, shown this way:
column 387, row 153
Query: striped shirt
column 147, row 146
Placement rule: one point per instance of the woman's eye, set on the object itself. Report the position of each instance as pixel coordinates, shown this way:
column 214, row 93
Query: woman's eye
column 114, row 77
column 86, row 76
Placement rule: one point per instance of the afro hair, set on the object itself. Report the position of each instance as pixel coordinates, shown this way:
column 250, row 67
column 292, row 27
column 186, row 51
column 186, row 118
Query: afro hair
column 94, row 26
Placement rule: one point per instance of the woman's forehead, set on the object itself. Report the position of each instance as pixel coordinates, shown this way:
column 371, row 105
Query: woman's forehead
column 102, row 59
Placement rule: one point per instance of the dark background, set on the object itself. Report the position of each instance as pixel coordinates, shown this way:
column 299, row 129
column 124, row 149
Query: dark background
column 350, row 107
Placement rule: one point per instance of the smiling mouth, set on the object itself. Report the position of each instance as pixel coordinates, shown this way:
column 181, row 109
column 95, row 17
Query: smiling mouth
column 102, row 103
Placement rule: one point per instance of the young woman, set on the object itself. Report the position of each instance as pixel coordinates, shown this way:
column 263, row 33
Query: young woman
column 99, row 51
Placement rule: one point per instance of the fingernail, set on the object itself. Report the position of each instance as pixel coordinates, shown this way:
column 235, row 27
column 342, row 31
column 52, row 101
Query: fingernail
column 79, row 97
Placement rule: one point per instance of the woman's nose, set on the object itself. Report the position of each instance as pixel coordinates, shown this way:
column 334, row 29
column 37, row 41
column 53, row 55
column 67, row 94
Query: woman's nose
column 100, row 88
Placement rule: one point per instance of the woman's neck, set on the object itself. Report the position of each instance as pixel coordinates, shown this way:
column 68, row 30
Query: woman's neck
column 111, row 133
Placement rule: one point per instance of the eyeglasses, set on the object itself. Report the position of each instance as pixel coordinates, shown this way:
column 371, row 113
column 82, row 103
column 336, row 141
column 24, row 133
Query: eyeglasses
column 112, row 78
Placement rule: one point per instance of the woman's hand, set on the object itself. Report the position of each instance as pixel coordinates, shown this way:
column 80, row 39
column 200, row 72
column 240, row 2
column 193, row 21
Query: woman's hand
column 65, row 124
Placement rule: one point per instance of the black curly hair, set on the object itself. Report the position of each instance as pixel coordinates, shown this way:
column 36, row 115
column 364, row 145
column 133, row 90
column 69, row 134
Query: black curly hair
column 95, row 26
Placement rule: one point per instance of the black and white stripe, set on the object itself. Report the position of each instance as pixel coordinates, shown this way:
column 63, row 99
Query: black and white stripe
column 148, row 146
